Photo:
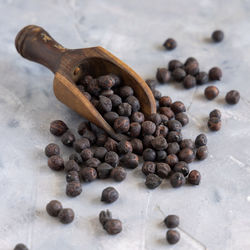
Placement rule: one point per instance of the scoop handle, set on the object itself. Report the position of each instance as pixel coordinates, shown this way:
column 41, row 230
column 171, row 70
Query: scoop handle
column 35, row 44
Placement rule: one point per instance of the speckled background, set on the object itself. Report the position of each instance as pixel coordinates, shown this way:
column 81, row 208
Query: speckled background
column 214, row 215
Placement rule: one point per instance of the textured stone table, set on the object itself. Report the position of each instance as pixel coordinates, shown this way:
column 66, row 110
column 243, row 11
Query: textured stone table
column 214, row 215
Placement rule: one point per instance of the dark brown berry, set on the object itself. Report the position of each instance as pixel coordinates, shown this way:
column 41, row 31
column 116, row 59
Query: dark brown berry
column 92, row 162
column 189, row 82
column 174, row 136
column 109, row 195
column 116, row 100
column 161, row 155
column 126, row 91
column 211, row 92
column 147, row 141
column 181, row 167
column 124, row 109
column 170, row 44
column 83, row 126
column 177, row 179
column 71, row 165
column 104, row 105
column 122, row 124
column 81, row 144
column 58, row 127
column 148, row 128
column 190, row 60
column 55, row 162
column 104, row 170
column 155, row 118
column 159, row 143
column 217, row 36
column 76, row 157
column 172, row 221
column 111, row 144
column 86, row 80
column 174, row 64
column 156, row 94
column 52, row 149
column 112, row 158
column 148, row 167
column 107, row 93
column 118, row 174
column 173, row 236
column 66, row 215
column 192, row 68
column 163, row 75
column 93, row 87
column 165, row 101
column 214, row 124
column 182, row 118
column 100, row 153
column 201, row 140
column 187, row 155
column 21, row 246
column 178, row 107
column 187, row 143
column 174, row 125
column 72, row 176
column 116, row 79
column 137, row 117
column 215, row 73
column 113, row 226
column 151, row 83
column 202, row 153
column 161, row 130
column 88, row 174
column 137, row 146
column 162, row 169
column 179, row 74
column 130, row 160
column 74, row 188
column 149, row 154
column 202, row 78
column 153, row 181
column 106, row 82
column 54, row 207
column 173, row 148
column 194, row 177
column 101, row 139
column 215, row 113
column 68, row 138
column 172, row 160
column 167, row 112
column 86, row 154
column 134, row 102
column 232, row 97
column 110, row 117
column 124, row 147
column 135, row 129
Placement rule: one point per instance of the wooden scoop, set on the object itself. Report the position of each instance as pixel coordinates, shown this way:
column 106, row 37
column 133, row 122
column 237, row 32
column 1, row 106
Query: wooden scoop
column 68, row 65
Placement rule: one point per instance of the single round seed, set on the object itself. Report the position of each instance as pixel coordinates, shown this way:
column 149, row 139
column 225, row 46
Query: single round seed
column 66, row 215
column 71, row 165
column 113, row 226
column 92, row 162
column 190, row 60
column 189, row 82
column 155, row 118
column 217, row 36
column 100, row 153
column 159, row 143
column 165, row 101
column 151, row 83
column 104, row 105
column 182, row 118
column 52, row 149
column 174, row 125
column 232, row 97
column 167, row 112
column 135, row 129
column 153, row 181
column 214, row 124
column 179, row 74
column 187, row 143
column 149, row 154
column 201, row 140
column 110, row 117
column 202, row 78
column 83, row 126
column 194, row 177
column 126, row 91
column 109, row 195
column 20, row 246
column 172, row 160
column 86, row 154
column 68, row 138
column 172, row 221
column 81, row 144
column 181, row 167
column 110, row 144
column 174, row 64
column 211, row 92
column 134, row 102
column 88, row 174
column 118, row 174
column 130, row 160
column 157, row 94
column 122, row 124
column 116, row 100
column 173, row 148
column 124, row 147
column 58, row 127
column 112, row 158
column 137, row 117
column 174, row 136
column 72, row 176
column 76, row 157
column 106, row 82
column 148, row 128
column 215, row 73
column 163, row 75
column 215, row 113
column 137, row 146
column 54, row 207
column 147, row 141
column 148, row 167
column 56, row 162
column 161, row 155
column 192, row 68
column 124, row 109
column 202, row 153
column 177, row 179
column 104, row 170
column 162, row 169
column 170, row 44
column 173, row 236
column 73, row 188
column 178, row 107
column 186, row 155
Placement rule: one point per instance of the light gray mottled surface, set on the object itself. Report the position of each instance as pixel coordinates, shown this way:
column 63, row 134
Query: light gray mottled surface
column 214, row 215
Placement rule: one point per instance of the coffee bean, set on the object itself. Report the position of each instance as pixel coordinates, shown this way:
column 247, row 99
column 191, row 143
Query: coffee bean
column 214, row 124
column 194, row 177
column 161, row 155
column 187, row 143
column 104, row 105
column 124, row 109
column 165, row 101
column 134, row 102
column 122, row 124
column 167, row 112
column 149, row 154
column 174, row 136
column 109, row 195
column 189, row 82
column 162, row 169
column 173, row 148
column 201, row 140
column 130, row 160
column 215, row 113
column 178, row 107
column 153, row 181
column 170, row 44
column 88, row 174
column 173, row 236
column 172, row 221
column 232, row 97
column 202, row 78
column 110, row 144
column 202, row 153
column 72, row 176
column 137, row 117
column 182, row 118
column 217, row 36
column 211, row 92
column 55, row 162
column 174, row 125
column 58, row 127
column 54, row 207
column 177, row 179
column 148, row 128
column 106, row 82
column 20, row 246
column 100, row 153
column 174, row 64
column 73, row 188
column 124, row 147
column 186, row 155
column 66, row 215
column 172, row 160
column 68, row 138
column 110, row 117
column 181, row 167
column 104, row 170
column 179, row 74
column 126, row 91
column 81, row 144
column 113, row 226
column 118, row 174
column 92, row 162
column 52, row 149
column 148, row 167
column 215, row 73
column 116, row 100
column 71, row 165
column 135, row 129
column 112, row 158
column 163, row 75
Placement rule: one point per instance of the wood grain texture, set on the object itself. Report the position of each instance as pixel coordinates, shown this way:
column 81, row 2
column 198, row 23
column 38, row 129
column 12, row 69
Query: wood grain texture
column 35, row 44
